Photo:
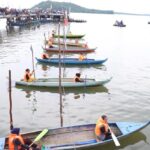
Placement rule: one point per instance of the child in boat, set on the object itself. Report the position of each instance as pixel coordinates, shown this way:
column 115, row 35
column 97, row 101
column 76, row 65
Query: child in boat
column 81, row 57
column 102, row 131
column 45, row 56
column 28, row 75
column 77, row 78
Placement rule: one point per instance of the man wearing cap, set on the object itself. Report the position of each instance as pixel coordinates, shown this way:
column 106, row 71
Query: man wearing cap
column 16, row 141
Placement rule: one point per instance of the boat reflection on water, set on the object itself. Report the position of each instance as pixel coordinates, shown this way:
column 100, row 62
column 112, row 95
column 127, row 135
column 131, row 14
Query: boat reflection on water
column 76, row 91
column 96, row 66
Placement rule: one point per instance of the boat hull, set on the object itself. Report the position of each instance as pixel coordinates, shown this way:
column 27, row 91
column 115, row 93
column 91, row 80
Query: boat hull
column 71, row 61
column 70, row 50
column 65, row 82
column 80, row 136
column 71, row 36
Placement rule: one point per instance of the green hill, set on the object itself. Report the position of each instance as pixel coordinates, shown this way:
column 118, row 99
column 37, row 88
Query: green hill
column 73, row 7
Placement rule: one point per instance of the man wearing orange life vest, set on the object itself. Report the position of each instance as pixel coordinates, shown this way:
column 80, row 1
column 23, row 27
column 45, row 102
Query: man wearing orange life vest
column 15, row 141
column 81, row 57
column 102, row 131
column 28, row 75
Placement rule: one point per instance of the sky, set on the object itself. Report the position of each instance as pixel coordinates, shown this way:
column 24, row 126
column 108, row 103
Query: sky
column 132, row 6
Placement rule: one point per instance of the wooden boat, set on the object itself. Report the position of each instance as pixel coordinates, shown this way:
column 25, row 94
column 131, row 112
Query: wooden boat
column 66, row 82
column 80, row 136
column 70, row 36
column 69, row 44
column 71, row 61
column 70, row 50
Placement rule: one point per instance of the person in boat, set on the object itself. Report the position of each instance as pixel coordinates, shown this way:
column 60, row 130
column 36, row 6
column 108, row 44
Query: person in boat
column 121, row 22
column 77, row 78
column 28, row 75
column 53, row 33
column 81, row 57
column 45, row 56
column 16, row 141
column 50, row 43
column 76, row 41
column 117, row 22
column 102, row 131
column 85, row 45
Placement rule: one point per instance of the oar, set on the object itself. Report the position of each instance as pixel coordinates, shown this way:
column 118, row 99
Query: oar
column 114, row 137
column 84, row 86
column 45, row 41
column 10, row 102
column 32, row 60
column 39, row 136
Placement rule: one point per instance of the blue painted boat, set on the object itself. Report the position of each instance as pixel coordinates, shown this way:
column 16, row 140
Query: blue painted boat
column 71, row 61
column 80, row 136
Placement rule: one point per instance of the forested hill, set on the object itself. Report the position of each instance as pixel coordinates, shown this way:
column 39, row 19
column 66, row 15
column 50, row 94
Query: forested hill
column 73, row 7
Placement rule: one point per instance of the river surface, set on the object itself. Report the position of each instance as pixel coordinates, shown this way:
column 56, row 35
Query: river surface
column 125, row 98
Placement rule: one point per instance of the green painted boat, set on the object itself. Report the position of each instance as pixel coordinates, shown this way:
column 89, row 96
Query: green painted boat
column 70, row 36
column 65, row 82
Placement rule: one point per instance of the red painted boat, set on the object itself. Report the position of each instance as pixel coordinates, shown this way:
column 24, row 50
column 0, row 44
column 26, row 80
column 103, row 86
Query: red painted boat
column 70, row 50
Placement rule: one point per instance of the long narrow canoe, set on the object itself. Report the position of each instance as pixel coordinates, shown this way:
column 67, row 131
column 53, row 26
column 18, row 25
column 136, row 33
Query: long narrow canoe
column 80, row 136
column 69, row 44
column 70, row 36
column 70, row 50
column 71, row 61
column 65, row 82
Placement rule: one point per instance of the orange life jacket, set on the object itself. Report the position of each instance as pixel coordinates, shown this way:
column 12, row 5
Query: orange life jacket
column 99, row 124
column 81, row 57
column 11, row 139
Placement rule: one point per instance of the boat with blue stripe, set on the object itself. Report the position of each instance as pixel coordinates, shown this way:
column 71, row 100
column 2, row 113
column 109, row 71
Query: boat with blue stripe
column 71, row 61
column 79, row 136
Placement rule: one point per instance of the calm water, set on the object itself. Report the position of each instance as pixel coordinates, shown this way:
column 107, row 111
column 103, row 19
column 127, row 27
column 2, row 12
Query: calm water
column 125, row 98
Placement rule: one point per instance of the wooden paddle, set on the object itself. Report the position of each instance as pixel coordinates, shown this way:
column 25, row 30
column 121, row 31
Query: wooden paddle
column 114, row 137
column 10, row 102
column 32, row 60
column 39, row 136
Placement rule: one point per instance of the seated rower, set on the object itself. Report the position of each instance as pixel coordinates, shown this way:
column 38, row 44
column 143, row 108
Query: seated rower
column 102, row 131
column 16, row 141
column 45, row 56
column 50, row 43
column 85, row 45
column 53, row 33
column 81, row 57
column 77, row 78
column 28, row 76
